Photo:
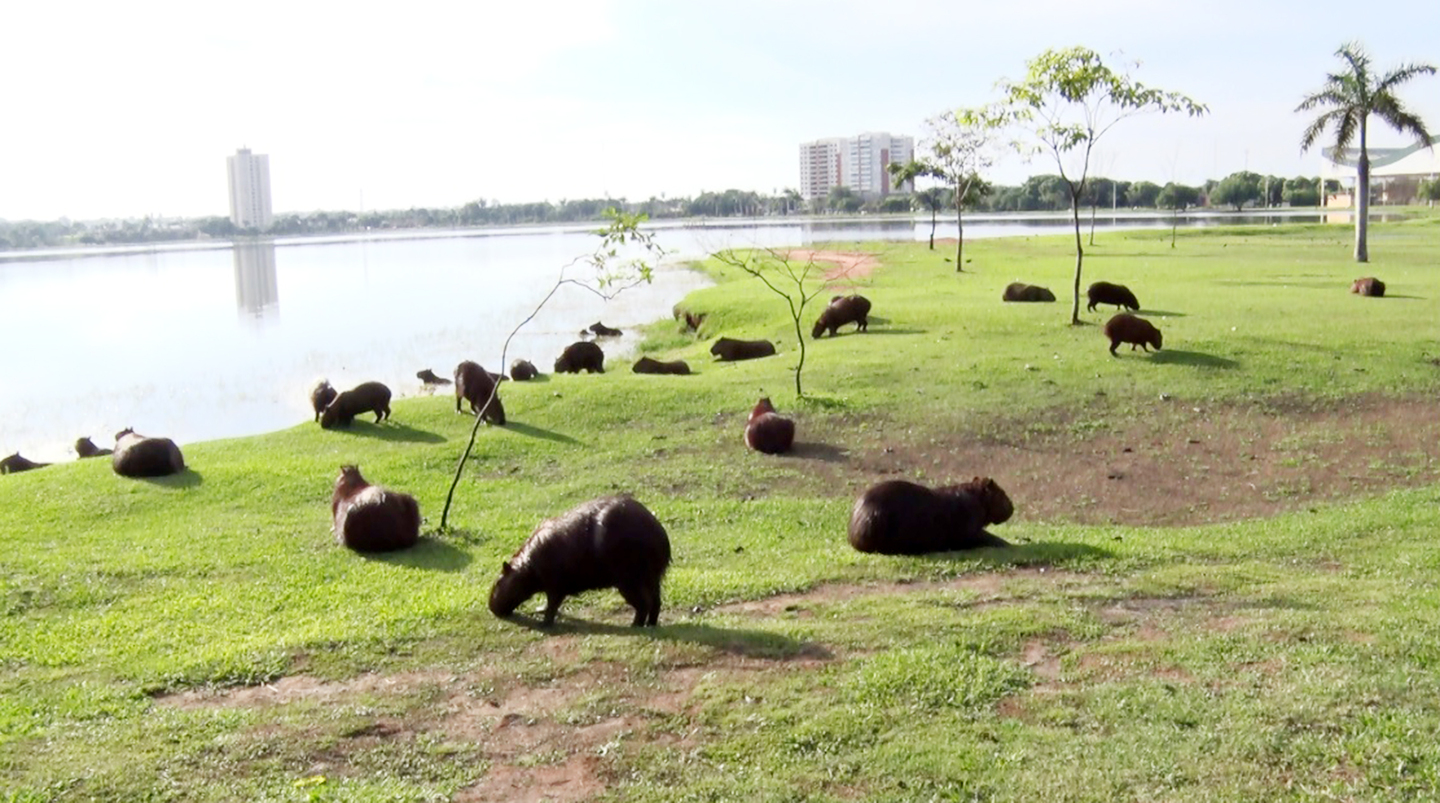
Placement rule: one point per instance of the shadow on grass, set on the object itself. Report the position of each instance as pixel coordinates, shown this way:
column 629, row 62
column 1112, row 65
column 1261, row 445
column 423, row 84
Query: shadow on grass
column 543, row 434
column 1161, row 313
column 1198, row 359
column 1043, row 553
column 895, row 330
column 390, row 431
column 430, row 553
column 1407, row 298
column 732, row 640
column 817, row 451
column 189, row 478
column 535, row 379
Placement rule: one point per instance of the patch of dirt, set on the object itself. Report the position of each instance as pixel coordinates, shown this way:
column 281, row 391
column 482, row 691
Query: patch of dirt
column 987, row 586
column 849, row 265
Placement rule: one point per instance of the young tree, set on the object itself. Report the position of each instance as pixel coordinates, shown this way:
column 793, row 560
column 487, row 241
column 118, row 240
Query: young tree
column 1237, row 189
column 1177, row 197
column 1429, row 190
column 1067, row 101
column 1349, row 98
column 962, row 147
column 795, row 281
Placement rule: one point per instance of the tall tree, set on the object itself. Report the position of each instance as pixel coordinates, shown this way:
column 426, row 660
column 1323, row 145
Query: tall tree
column 1067, row 101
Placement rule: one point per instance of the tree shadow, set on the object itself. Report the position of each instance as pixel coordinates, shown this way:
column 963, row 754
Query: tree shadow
column 734, row 641
column 543, row 434
column 1161, row 313
column 188, row 478
column 390, row 431
column 429, row 553
column 817, row 451
column 1195, row 358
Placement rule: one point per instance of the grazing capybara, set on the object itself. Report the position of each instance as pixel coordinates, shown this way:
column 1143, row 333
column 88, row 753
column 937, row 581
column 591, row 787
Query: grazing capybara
column 363, row 398
column 647, row 365
column 87, row 448
column 896, row 517
column 321, row 395
column 581, row 356
column 692, row 320
column 523, row 370
column 1368, row 286
column 1019, row 291
column 610, row 542
column 428, row 377
column 139, row 456
column 1132, row 329
column 843, row 310
column 477, row 386
column 767, row 431
column 729, row 349
column 14, row 464
column 601, row 330
column 369, row 518
column 1107, row 293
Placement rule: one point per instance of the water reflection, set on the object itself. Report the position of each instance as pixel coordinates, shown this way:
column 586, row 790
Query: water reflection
column 257, row 291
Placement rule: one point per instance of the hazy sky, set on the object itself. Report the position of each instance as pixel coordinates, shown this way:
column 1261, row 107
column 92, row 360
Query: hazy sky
column 127, row 109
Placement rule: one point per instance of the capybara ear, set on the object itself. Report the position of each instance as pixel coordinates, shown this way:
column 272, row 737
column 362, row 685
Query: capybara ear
column 976, row 480
column 506, row 568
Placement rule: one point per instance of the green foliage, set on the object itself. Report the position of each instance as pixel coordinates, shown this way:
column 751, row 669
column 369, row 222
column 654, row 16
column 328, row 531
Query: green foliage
column 1429, row 190
column 1144, row 194
column 1237, row 190
column 1178, row 196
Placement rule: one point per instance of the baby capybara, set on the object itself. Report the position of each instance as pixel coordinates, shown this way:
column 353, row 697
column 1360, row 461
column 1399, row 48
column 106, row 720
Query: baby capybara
column 767, row 431
column 842, row 310
column 14, row 464
column 611, row 542
column 1368, row 286
column 523, row 370
column 321, row 395
column 1132, row 329
column 87, row 448
column 369, row 518
column 139, row 456
column 730, row 349
column 1107, row 293
column 601, row 330
column 647, row 365
column 363, row 398
column 430, row 378
column 1019, row 291
column 478, row 386
column 581, row 356
column 896, row 517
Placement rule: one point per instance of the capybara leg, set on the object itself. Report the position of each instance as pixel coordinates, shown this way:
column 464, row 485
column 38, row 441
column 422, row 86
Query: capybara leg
column 457, row 403
column 1114, row 344
column 552, row 607
column 654, row 617
column 639, row 600
column 864, row 325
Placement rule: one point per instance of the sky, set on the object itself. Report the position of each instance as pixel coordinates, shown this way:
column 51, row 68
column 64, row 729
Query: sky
column 129, row 109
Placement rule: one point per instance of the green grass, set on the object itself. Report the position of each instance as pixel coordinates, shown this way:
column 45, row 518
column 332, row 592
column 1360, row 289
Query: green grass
column 1286, row 658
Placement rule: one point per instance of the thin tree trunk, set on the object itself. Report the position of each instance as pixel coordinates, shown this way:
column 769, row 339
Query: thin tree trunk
column 959, row 238
column 933, row 213
column 1092, row 224
column 1362, row 203
column 1079, row 257
column 800, row 339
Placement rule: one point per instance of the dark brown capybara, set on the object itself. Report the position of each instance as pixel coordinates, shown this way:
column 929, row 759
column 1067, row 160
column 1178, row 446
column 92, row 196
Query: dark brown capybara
column 581, row 356
column 842, row 310
column 87, row 448
column 363, row 398
column 897, row 517
column 1019, row 291
column 429, row 377
column 601, row 330
column 1132, row 329
column 369, row 518
column 729, row 349
column 692, row 320
column 1368, row 286
column 523, row 370
column 1107, row 293
column 610, row 542
column 767, row 431
column 138, row 456
column 321, row 394
column 14, row 464
column 648, row 365
column 478, row 386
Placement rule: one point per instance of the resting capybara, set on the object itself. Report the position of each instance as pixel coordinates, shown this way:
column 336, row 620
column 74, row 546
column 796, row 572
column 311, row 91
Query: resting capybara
column 896, row 517
column 478, row 386
column 729, row 349
column 767, row 431
column 1019, row 291
column 1368, row 286
column 14, row 464
column 363, row 398
column 1107, row 293
column 523, row 370
column 842, row 310
column 428, row 377
column 139, row 456
column 647, row 365
column 321, row 395
column 583, row 355
column 1132, row 329
column 87, row 448
column 601, row 330
column 369, row 518
column 610, row 542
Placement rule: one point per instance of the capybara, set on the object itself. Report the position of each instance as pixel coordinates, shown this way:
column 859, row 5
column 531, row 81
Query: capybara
column 601, row 330
column 692, row 320
column 321, row 395
column 477, row 386
column 523, row 370
column 729, row 349
column 896, row 517
column 581, row 356
column 1107, row 293
column 767, row 431
column 1019, row 291
column 363, row 398
column 369, row 518
column 87, row 448
column 610, row 542
column 843, row 310
column 1132, row 329
column 648, row 365
column 14, row 464
column 1368, row 286
column 428, row 377
column 139, row 456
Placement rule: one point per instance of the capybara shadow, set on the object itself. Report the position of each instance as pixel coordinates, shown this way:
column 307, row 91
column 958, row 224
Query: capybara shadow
column 601, row 330
column 763, row 644
column 523, row 371
column 823, row 452
column 897, row 517
column 544, row 434
column 842, row 310
column 1368, row 286
column 1021, row 292
column 1194, row 358
column 14, row 464
column 84, row 447
column 767, row 431
column 391, row 431
column 1107, row 293
column 729, row 349
column 477, row 386
column 363, row 398
column 648, row 365
column 430, row 378
column 321, row 394
column 138, row 456
column 370, row 518
column 1132, row 329
column 582, row 355
column 429, row 553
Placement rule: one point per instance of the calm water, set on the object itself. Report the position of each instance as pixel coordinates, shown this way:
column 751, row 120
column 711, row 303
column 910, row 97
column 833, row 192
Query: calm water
column 198, row 344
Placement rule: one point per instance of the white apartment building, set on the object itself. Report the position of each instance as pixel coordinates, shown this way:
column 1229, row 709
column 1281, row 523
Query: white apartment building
column 249, row 189
column 860, row 163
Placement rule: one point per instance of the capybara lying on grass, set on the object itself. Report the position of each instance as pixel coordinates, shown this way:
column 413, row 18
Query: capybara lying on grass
column 369, row 518
column 1107, row 293
column 647, row 365
column 1132, row 329
column 842, row 310
column 896, row 517
column 428, row 377
column 363, row 398
column 523, row 370
column 321, row 395
column 767, row 431
column 1368, row 286
column 611, row 542
column 87, row 448
column 14, row 464
column 581, row 356
column 729, row 349
column 601, row 330
column 478, row 386
column 1019, row 291
column 139, row 456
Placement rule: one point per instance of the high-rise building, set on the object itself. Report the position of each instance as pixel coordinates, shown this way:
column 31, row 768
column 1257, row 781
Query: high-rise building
column 860, row 162
column 821, row 166
column 249, row 190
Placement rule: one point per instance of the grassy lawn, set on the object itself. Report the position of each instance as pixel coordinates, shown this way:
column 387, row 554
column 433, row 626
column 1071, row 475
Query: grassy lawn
column 201, row 637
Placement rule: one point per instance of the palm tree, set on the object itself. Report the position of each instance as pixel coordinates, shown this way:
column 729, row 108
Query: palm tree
column 1350, row 97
